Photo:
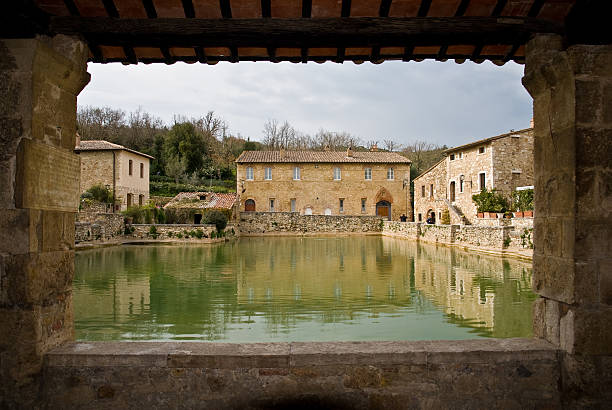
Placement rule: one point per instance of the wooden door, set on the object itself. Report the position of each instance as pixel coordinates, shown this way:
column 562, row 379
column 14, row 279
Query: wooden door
column 249, row 205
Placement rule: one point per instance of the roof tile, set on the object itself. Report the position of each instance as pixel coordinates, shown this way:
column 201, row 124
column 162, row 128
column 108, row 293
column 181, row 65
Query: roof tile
column 322, row 156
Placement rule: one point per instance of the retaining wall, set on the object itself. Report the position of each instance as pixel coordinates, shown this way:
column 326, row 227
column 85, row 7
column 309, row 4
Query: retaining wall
column 257, row 223
column 505, row 373
column 93, row 226
column 517, row 237
column 174, row 231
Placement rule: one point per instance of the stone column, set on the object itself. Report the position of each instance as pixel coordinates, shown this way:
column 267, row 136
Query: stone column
column 572, row 92
column 40, row 79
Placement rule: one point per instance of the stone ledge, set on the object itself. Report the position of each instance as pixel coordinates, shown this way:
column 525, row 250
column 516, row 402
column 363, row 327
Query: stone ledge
column 297, row 354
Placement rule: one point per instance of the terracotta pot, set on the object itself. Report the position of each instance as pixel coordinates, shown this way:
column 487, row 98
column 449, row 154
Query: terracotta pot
column 490, row 215
column 528, row 214
column 500, row 215
column 481, row 214
column 519, row 214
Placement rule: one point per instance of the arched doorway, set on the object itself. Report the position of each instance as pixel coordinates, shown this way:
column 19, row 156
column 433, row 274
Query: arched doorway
column 327, row 211
column 383, row 208
column 249, row 205
column 308, row 211
column 452, row 191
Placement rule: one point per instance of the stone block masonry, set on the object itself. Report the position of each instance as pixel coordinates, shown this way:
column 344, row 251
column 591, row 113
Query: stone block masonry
column 262, row 223
column 94, row 226
column 510, row 373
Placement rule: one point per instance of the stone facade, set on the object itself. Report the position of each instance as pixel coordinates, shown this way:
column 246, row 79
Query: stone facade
column 318, row 193
column 429, row 191
column 111, row 167
column 40, row 79
column 503, row 163
column 258, row 223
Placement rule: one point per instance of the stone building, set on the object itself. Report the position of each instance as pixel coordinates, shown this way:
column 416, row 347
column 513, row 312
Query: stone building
column 121, row 169
column 325, row 183
column 503, row 162
column 190, row 207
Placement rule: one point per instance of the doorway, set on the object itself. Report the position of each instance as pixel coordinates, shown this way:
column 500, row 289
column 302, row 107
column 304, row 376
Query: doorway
column 452, row 191
column 383, row 208
column 197, row 219
column 249, row 205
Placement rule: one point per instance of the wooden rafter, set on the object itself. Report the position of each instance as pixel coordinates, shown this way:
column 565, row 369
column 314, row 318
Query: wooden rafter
column 346, row 8
column 424, row 8
column 306, row 8
column 110, row 8
column 385, row 7
column 461, row 9
column 226, row 9
column 149, row 9
column 334, row 32
column 188, row 9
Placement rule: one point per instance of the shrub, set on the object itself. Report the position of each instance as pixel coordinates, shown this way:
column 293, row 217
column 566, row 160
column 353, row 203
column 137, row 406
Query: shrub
column 179, row 235
column 99, row 193
column 170, row 234
column 490, row 201
column 153, row 232
column 217, row 218
column 523, row 200
column 212, row 235
column 199, row 233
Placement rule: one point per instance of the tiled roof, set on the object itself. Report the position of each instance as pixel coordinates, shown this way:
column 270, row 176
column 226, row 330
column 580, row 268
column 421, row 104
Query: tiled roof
column 101, row 145
column 212, row 200
column 321, row 156
column 486, row 140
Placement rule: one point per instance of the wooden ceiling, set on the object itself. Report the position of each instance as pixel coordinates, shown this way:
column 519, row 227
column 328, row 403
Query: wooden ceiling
column 209, row 31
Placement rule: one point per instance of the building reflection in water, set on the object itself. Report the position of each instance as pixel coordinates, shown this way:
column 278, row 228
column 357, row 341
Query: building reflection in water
column 261, row 289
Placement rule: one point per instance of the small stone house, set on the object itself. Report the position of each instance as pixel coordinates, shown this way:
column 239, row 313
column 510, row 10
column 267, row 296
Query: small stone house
column 190, row 207
column 503, row 162
column 121, row 169
column 324, row 182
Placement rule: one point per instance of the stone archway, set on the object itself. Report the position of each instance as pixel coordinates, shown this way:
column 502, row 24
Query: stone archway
column 249, row 205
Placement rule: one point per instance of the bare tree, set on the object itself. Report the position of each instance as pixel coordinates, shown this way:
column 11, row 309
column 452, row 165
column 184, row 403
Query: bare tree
column 391, row 145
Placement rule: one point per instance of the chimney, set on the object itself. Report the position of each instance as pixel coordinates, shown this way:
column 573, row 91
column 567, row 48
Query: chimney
column 349, row 152
column 374, row 148
column 531, row 123
column 282, row 153
column 78, row 140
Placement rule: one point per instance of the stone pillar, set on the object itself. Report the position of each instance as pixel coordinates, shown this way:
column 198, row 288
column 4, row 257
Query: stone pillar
column 40, row 79
column 572, row 92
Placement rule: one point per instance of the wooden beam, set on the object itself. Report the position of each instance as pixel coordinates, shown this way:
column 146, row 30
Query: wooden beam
column 535, row 8
column 462, row 8
column 149, row 8
column 72, row 8
column 226, row 9
column 110, row 8
column 188, row 9
column 306, row 8
column 333, row 32
column 266, row 8
column 385, row 6
column 499, row 7
column 130, row 55
column 346, row 8
column 424, row 8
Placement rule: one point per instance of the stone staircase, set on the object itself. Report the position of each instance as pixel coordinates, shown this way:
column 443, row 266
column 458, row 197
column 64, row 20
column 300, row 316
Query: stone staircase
column 452, row 208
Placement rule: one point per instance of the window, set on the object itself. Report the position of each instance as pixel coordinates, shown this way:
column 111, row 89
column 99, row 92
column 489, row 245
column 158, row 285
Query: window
column 341, row 205
column 268, row 174
column 296, row 173
column 129, row 199
column 368, row 173
column 130, row 167
column 249, row 173
column 422, row 191
column 271, row 204
column 390, row 174
column 292, row 204
column 337, row 174
column 431, row 192
column 461, row 155
column 141, row 200
column 482, row 181
column 363, row 205
column 481, row 150
column 461, row 183
column 420, row 218
column 141, row 170
column 452, row 157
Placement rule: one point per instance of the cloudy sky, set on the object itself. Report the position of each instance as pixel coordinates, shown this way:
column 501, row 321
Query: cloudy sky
column 444, row 103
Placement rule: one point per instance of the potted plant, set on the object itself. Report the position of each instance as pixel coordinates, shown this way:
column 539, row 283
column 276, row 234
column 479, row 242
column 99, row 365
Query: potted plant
column 523, row 202
column 490, row 203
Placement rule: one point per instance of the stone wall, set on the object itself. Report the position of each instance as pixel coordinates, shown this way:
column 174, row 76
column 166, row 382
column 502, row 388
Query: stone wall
column 318, row 191
column 175, row 231
column 483, row 236
column 256, row 223
column 94, row 226
column 511, row 373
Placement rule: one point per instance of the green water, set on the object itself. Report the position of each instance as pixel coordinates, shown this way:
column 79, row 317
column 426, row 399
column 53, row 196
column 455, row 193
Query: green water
column 299, row 289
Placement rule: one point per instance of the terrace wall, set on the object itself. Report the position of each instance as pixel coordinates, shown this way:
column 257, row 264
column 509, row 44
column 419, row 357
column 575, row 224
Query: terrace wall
column 258, row 223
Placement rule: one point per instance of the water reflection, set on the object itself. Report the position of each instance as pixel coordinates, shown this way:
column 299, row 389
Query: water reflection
column 275, row 289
